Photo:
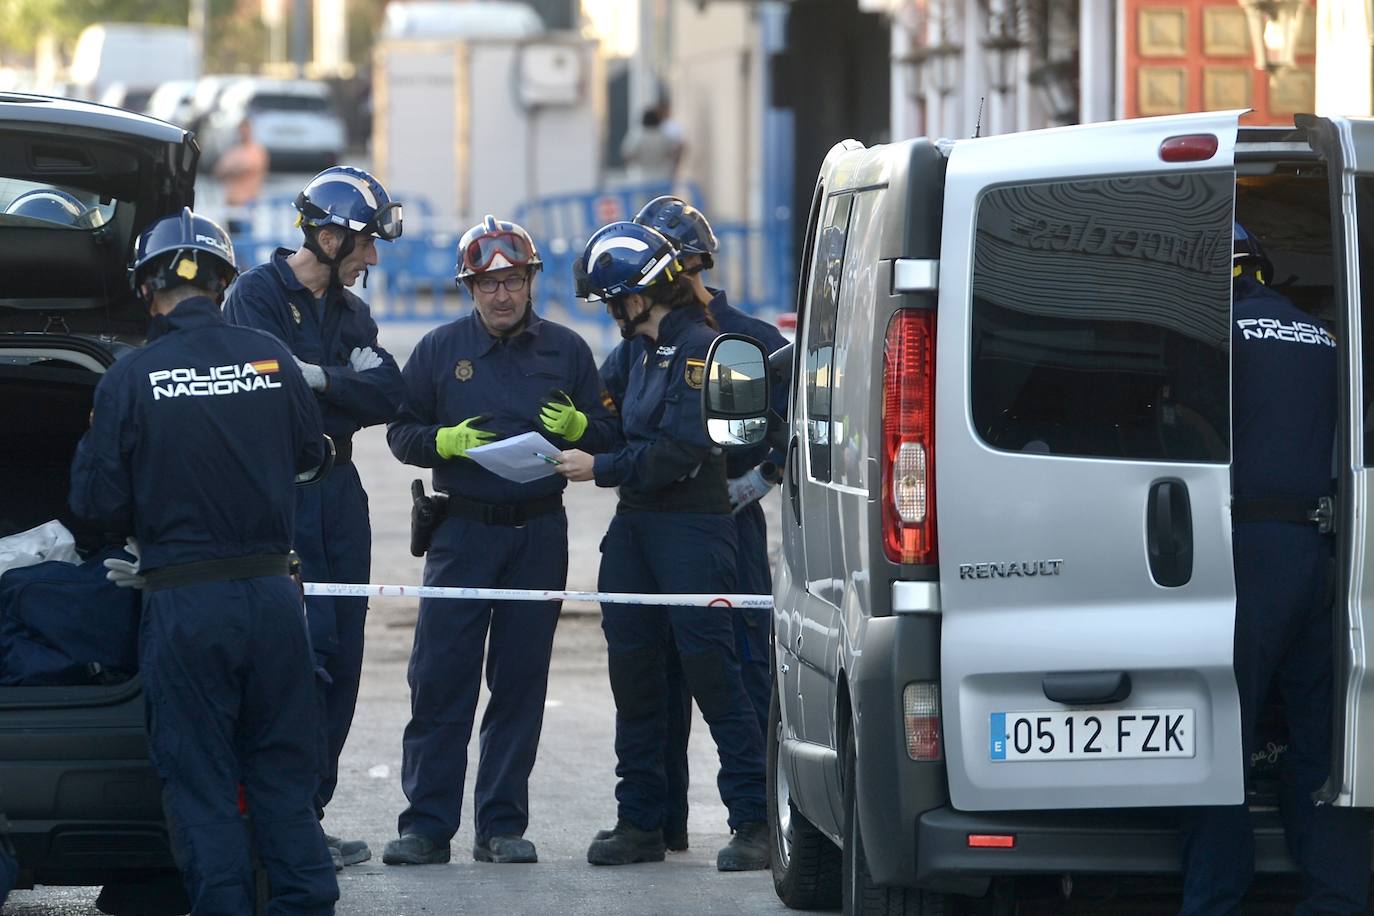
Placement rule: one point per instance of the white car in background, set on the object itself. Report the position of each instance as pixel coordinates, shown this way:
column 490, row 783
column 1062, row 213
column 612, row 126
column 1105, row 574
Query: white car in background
column 295, row 119
column 171, row 102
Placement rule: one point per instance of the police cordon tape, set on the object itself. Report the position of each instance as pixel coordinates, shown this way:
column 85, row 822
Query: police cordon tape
column 348, row 590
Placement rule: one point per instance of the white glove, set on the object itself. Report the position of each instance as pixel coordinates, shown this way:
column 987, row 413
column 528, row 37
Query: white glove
column 122, row 572
column 314, row 375
column 363, row 359
column 749, row 487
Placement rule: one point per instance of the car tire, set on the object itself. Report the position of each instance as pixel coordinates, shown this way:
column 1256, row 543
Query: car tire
column 806, row 865
column 862, row 897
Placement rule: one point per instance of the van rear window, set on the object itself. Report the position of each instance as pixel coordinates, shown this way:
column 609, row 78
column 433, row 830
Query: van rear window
column 1101, row 318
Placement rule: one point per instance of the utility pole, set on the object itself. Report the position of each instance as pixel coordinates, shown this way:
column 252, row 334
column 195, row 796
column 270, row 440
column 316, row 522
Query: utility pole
column 196, row 22
column 300, row 34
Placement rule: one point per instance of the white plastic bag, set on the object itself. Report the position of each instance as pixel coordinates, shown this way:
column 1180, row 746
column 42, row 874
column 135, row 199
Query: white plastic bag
column 49, row 541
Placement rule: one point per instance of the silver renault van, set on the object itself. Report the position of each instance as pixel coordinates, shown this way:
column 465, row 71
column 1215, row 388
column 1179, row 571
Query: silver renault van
column 1005, row 603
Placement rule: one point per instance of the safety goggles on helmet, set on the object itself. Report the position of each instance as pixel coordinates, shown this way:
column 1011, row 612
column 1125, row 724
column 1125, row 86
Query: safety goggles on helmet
column 483, row 252
column 385, row 223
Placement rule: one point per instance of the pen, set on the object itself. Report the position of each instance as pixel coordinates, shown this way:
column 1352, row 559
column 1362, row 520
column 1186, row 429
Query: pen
column 541, row 455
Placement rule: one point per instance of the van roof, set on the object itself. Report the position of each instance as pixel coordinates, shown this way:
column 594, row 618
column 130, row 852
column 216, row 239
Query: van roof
column 28, row 108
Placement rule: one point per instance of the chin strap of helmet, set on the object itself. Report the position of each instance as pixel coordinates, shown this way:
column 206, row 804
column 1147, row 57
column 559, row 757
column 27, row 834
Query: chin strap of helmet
column 312, row 245
column 627, row 324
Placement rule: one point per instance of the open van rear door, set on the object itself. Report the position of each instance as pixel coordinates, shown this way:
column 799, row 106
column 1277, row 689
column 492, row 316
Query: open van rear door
column 1083, row 446
column 1347, row 145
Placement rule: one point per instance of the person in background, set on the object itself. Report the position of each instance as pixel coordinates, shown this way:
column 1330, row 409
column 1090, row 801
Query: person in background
column 651, row 154
column 201, row 475
column 672, row 532
column 498, row 372
column 241, row 171
column 302, row 298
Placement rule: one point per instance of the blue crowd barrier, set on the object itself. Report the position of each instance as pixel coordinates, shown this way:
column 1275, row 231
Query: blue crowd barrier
column 415, row 274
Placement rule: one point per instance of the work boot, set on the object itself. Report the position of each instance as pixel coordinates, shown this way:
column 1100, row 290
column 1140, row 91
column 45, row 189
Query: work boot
column 351, row 852
column 335, row 858
column 748, row 849
column 504, row 849
column 675, row 836
column 625, row 845
column 414, row 849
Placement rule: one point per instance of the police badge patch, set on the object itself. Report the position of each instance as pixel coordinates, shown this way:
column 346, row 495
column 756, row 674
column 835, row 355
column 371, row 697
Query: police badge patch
column 696, row 373
column 295, row 314
column 463, row 371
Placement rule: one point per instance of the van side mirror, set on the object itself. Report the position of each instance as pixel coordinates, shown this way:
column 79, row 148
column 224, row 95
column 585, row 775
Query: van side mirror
column 315, row 475
column 735, row 394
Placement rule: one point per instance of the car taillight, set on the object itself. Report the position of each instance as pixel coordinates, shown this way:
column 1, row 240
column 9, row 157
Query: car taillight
column 908, row 440
column 921, row 720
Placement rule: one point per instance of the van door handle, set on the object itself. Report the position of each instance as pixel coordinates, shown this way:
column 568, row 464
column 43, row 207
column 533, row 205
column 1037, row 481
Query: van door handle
column 1087, row 688
column 1169, row 533
column 793, row 481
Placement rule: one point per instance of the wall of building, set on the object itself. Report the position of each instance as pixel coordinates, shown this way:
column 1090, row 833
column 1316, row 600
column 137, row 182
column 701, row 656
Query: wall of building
column 1344, row 64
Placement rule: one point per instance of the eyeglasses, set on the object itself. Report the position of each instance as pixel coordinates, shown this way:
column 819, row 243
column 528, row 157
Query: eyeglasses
column 513, row 284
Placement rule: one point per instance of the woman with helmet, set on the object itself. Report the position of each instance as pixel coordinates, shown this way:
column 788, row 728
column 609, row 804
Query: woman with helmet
column 672, row 532
column 498, row 372
column 751, row 472
column 194, row 443
column 301, row 297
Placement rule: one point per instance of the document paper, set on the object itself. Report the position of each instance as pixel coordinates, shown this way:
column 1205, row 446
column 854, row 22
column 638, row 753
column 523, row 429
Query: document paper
column 517, row 458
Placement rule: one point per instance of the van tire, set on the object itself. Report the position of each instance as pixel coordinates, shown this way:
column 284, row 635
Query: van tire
column 861, row 897
column 806, row 865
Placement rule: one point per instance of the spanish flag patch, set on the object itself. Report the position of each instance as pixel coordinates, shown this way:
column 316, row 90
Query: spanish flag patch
column 696, row 373
column 265, row 366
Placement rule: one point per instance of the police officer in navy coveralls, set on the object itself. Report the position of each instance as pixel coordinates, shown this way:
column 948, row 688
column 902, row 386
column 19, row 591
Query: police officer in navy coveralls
column 672, row 532
column 194, row 444
column 498, row 372
column 301, row 298
column 1284, row 406
column 751, row 472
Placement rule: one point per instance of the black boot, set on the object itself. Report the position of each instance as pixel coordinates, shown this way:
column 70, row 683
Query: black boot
column 625, row 845
column 748, row 849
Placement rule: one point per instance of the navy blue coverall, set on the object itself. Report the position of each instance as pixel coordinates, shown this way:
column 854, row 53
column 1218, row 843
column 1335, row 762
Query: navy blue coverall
column 753, row 626
column 460, row 371
column 333, row 531
column 1284, row 405
column 673, row 532
column 194, row 443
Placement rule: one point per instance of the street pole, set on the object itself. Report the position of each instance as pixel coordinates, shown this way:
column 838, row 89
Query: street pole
column 300, row 34
column 196, row 23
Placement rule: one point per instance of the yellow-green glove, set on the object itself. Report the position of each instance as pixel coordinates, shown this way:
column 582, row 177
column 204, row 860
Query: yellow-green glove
column 454, row 441
column 561, row 417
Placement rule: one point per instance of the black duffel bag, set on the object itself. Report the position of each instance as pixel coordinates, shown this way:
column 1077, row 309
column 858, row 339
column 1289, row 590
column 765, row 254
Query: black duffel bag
column 66, row 624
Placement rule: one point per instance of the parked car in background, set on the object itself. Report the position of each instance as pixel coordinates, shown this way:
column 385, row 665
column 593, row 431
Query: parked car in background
column 129, row 97
column 135, row 54
column 295, row 119
column 205, row 99
column 172, row 102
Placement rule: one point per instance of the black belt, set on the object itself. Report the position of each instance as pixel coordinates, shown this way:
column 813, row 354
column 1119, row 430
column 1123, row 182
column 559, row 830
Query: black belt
column 512, row 515
column 155, row 580
column 343, row 451
column 1284, row 509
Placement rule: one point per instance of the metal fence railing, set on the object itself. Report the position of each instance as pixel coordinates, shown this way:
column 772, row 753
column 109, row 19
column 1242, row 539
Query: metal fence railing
column 414, row 280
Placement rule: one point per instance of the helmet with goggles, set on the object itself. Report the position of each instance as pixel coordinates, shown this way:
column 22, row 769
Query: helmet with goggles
column 186, row 249
column 623, row 258
column 350, row 199
column 495, row 244
column 682, row 224
column 52, row 205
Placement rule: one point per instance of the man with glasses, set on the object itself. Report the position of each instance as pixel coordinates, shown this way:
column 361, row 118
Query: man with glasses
column 301, row 297
column 498, row 372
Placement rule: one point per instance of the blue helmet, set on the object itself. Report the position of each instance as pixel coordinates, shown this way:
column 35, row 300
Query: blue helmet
column 53, row 206
column 681, row 223
column 350, row 199
column 623, row 258
column 183, row 249
column 1246, row 251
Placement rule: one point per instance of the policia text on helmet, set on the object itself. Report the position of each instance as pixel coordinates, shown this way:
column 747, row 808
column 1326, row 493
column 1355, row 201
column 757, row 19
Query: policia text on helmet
column 338, row 206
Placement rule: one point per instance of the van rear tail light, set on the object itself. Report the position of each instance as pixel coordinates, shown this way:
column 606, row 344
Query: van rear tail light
column 921, row 719
column 992, row 841
column 1189, row 148
column 908, row 438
